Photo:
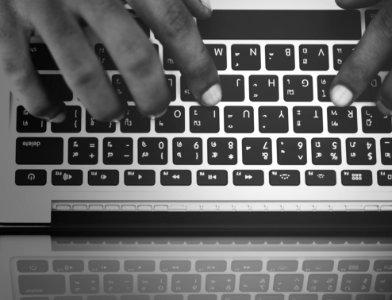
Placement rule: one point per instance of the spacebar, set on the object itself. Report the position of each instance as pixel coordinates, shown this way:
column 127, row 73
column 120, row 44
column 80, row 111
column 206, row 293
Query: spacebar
column 282, row 25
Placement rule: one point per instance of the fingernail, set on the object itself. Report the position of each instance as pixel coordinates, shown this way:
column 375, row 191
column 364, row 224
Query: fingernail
column 158, row 115
column 383, row 108
column 119, row 119
column 59, row 118
column 206, row 4
column 341, row 95
column 212, row 96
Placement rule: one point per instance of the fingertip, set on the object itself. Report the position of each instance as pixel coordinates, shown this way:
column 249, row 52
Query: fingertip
column 60, row 117
column 341, row 95
column 212, row 96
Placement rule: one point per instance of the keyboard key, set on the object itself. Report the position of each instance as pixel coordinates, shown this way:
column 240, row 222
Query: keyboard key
column 326, row 151
column 68, row 266
column 372, row 91
column 248, row 177
column 139, row 177
column 340, row 54
column 30, row 177
column 84, row 284
column 235, row 297
column 211, row 266
column 282, row 266
column 117, row 283
column 386, row 151
column 252, row 283
column 353, row 265
column 67, row 177
column 291, row 151
column 320, row 178
column 168, row 61
column 246, row 57
column 72, row 123
column 176, row 177
column 342, row 119
column 279, row 57
column 186, row 283
column 383, row 265
column 204, row 119
column 104, row 266
column 41, row 57
column 175, row 265
column 313, row 57
column 288, row 282
column 121, row 89
column 298, row 88
column 93, row 126
column 383, row 283
column 83, row 151
column 152, row 151
column 134, row 122
column 233, row 87
column 336, row 297
column 202, row 297
column 220, row 283
column 41, row 284
column 357, row 178
column 172, row 85
column 269, row 297
column 172, row 121
column 28, row 123
column 212, row 178
column 308, row 119
column 218, row 53
column 103, row 177
column 267, row 25
column 104, row 57
column 273, row 119
column 117, row 151
column 284, row 178
column 317, row 265
column 323, row 86
column 56, row 87
column 139, row 266
column 356, row 283
column 373, row 121
column 263, row 88
column 257, row 151
column 222, row 151
column 39, row 151
column 361, row 151
column 187, row 151
column 370, row 297
column 152, row 283
column 239, row 119
column 246, row 265
column 32, row 266
column 322, row 283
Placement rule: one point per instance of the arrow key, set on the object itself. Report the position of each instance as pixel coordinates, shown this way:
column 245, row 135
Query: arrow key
column 176, row 177
column 248, row 177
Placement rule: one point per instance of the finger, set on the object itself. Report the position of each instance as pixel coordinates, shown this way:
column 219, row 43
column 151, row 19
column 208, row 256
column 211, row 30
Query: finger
column 175, row 27
column 16, row 63
column 352, row 4
column 81, row 69
column 200, row 9
column 373, row 51
column 131, row 51
column 384, row 101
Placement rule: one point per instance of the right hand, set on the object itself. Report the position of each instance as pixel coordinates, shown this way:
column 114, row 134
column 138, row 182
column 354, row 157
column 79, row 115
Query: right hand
column 58, row 22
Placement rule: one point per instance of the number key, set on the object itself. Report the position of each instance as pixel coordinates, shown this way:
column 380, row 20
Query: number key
column 222, row 151
column 291, row 151
column 152, row 151
column 361, row 151
column 187, row 151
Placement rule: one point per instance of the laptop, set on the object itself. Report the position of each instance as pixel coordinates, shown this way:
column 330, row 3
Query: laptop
column 225, row 268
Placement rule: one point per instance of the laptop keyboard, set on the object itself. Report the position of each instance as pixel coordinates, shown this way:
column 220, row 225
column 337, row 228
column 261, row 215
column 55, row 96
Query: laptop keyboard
column 275, row 126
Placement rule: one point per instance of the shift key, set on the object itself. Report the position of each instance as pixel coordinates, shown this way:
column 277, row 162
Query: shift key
column 39, row 151
column 41, row 284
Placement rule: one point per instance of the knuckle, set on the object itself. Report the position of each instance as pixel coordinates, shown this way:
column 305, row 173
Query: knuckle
column 178, row 20
column 84, row 77
column 142, row 62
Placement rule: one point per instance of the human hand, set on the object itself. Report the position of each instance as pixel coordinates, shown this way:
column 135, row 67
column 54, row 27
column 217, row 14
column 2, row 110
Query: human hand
column 62, row 24
column 371, row 54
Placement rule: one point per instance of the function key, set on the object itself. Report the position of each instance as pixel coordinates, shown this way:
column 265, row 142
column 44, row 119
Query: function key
column 386, row 151
column 94, row 126
column 357, row 178
column 176, row 177
column 263, row 88
column 342, row 119
column 218, row 53
column 373, row 121
column 172, row 121
column 282, row 266
column 117, row 151
column 273, row 119
column 308, row 119
column 139, row 177
column 41, row 57
column 284, row 178
column 187, row 151
column 361, row 151
column 121, row 89
column 25, row 122
column 248, row 177
column 323, row 86
column 56, row 87
column 353, row 265
column 30, row 177
column 104, row 266
column 326, row 151
column 314, row 57
column 233, row 87
column 204, row 119
column 318, row 265
column 222, row 151
column 239, row 119
column 320, row 178
column 39, row 151
column 384, row 177
column 32, row 266
column 104, row 57
column 245, row 57
column 340, row 54
column 212, row 178
column 83, row 151
column 152, row 151
column 257, row 151
column 134, row 122
column 298, row 88
column 383, row 265
column 279, row 57
column 291, row 151
column 103, row 177
column 67, row 177
column 67, row 266
column 72, row 123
